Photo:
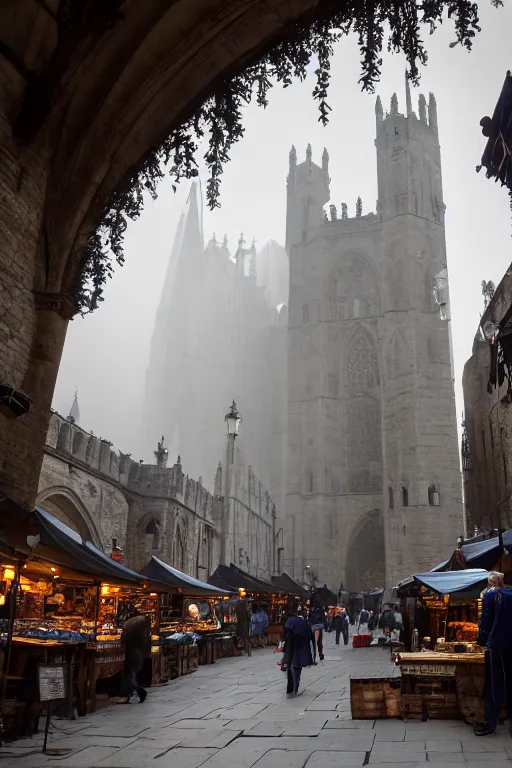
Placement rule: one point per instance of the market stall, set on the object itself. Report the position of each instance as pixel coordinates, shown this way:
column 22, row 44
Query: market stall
column 291, row 593
column 257, row 591
column 445, row 678
column 53, row 595
column 192, row 610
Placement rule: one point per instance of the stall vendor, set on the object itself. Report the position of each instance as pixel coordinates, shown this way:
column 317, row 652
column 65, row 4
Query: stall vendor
column 495, row 633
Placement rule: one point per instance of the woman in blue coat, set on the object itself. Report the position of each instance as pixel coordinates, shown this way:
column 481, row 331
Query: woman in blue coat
column 298, row 650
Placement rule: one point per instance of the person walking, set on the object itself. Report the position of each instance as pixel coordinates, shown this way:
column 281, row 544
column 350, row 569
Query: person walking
column 317, row 623
column 259, row 624
column 299, row 650
column 336, row 625
column 136, row 638
column 363, row 622
column 495, row 633
column 345, row 625
column 243, row 621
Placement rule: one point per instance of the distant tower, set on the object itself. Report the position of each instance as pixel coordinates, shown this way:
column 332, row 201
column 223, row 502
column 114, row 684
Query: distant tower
column 74, row 414
column 374, row 487
column 307, row 193
column 161, row 454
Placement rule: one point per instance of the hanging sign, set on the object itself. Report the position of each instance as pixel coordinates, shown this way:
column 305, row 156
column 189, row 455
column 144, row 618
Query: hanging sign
column 430, row 670
column 52, row 682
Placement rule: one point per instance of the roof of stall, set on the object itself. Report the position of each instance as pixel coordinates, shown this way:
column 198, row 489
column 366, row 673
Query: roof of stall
column 464, row 583
column 289, row 586
column 61, row 545
column 234, row 578
column 157, row 570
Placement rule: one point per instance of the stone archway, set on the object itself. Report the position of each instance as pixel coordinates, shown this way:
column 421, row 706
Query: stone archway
column 365, row 555
column 67, row 507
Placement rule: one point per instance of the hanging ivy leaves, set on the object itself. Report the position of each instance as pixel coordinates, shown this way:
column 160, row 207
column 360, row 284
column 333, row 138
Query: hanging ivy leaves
column 221, row 115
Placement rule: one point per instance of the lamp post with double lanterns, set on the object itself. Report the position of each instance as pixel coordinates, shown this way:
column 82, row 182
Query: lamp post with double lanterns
column 233, row 420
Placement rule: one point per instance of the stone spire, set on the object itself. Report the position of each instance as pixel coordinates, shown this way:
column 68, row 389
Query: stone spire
column 422, row 109
column 74, row 414
column 161, row 454
column 293, row 157
column 432, row 112
column 379, row 112
column 408, row 100
column 309, row 153
column 394, row 105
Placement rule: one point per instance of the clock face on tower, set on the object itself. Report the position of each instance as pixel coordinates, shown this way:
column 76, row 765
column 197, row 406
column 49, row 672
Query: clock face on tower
column 397, row 153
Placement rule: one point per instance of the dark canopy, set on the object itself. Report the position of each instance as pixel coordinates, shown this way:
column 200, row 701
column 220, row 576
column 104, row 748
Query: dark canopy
column 61, row 545
column 157, row 570
column 288, row 586
column 234, row 578
column 467, row 583
column 496, row 158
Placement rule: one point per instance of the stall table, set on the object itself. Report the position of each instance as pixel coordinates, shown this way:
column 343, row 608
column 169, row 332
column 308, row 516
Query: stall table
column 442, row 686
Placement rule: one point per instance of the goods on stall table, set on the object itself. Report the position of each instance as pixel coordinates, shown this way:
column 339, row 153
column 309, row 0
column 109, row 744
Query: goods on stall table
column 463, row 630
column 372, row 698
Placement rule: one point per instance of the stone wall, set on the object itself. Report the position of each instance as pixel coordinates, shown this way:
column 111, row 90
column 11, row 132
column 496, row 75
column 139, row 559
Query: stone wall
column 487, row 459
column 151, row 509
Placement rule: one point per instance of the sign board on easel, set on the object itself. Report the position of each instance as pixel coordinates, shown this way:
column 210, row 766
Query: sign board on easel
column 51, row 679
column 52, row 682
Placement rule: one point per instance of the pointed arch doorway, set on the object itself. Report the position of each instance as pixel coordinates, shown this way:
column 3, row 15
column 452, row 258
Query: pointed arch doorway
column 366, row 555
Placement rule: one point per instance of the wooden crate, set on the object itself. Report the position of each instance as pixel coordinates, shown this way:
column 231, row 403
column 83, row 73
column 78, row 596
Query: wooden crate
column 442, row 707
column 413, row 706
column 470, row 679
column 372, row 698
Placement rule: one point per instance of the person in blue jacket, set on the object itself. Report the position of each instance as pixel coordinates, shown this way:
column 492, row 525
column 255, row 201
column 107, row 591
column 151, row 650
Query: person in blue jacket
column 299, row 650
column 495, row 633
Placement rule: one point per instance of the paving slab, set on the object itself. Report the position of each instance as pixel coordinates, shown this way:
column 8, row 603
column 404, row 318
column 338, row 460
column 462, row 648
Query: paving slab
column 279, row 759
column 84, row 758
column 390, row 734
column 442, row 746
column 239, row 725
column 128, row 757
column 301, row 729
column 215, row 739
column 192, row 723
column 322, row 759
column 264, row 729
column 363, row 725
column 319, row 704
column 484, row 744
column 398, row 757
column 237, row 755
column 115, row 729
column 446, row 757
column 488, row 763
column 184, row 758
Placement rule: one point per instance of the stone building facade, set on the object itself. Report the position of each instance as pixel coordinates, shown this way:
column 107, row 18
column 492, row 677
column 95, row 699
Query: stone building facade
column 220, row 333
column 487, row 436
column 374, row 484
column 152, row 508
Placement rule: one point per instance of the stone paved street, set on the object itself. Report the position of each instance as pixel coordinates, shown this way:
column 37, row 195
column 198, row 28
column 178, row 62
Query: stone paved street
column 234, row 714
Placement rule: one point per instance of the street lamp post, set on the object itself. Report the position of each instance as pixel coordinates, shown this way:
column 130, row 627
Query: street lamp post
column 232, row 419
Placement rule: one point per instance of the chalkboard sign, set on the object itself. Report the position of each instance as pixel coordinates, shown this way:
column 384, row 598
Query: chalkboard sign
column 52, row 682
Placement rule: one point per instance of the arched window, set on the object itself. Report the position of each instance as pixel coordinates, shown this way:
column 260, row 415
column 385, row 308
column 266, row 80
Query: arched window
column 405, row 496
column 152, row 535
column 391, row 500
column 433, row 496
column 352, row 288
column 362, row 365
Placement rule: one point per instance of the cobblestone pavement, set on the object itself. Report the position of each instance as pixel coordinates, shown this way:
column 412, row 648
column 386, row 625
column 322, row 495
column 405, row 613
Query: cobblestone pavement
column 234, row 714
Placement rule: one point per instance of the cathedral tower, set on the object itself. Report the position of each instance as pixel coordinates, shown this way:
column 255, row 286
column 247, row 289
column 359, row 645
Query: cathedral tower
column 374, row 486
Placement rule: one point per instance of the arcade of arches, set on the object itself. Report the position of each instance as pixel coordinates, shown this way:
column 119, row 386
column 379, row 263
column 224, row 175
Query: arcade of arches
column 365, row 559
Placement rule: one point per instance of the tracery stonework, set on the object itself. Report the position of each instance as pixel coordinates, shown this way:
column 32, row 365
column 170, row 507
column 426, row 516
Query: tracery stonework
column 362, row 366
column 363, row 445
column 353, row 289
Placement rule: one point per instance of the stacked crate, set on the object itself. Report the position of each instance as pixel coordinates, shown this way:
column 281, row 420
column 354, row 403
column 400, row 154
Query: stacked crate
column 373, row 698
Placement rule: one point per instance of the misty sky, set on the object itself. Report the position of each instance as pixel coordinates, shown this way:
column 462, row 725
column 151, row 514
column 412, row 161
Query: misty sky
column 106, row 354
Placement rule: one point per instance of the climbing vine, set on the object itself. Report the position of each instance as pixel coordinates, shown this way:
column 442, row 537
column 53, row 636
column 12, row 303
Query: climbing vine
column 221, row 114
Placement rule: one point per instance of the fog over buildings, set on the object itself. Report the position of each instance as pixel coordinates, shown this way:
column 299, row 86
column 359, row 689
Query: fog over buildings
column 112, row 356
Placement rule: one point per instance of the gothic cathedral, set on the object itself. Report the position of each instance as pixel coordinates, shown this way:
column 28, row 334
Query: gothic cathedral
column 374, row 488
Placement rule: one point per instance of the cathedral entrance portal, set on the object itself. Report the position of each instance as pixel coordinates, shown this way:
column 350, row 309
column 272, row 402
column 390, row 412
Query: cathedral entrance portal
column 365, row 559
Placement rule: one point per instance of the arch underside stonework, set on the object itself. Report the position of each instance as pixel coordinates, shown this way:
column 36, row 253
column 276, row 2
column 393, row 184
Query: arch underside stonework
column 365, row 563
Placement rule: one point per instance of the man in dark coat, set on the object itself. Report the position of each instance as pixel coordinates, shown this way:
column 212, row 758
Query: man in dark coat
column 136, row 638
column 495, row 633
column 243, row 622
column 298, row 650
